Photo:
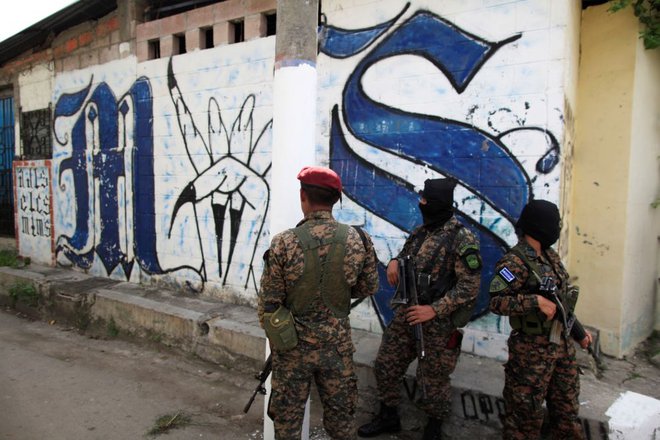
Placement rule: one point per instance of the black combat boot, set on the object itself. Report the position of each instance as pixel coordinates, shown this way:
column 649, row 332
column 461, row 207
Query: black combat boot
column 433, row 430
column 387, row 420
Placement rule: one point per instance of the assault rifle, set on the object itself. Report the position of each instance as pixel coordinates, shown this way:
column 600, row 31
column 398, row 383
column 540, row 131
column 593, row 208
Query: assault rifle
column 407, row 295
column 572, row 327
column 261, row 377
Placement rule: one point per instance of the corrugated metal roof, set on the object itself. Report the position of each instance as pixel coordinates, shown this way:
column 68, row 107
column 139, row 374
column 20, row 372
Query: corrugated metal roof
column 35, row 35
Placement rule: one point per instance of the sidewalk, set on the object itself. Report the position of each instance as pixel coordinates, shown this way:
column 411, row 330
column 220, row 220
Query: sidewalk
column 613, row 406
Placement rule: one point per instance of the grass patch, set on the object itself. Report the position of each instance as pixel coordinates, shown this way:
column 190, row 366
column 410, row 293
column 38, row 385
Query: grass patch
column 154, row 336
column 111, row 328
column 8, row 258
column 11, row 258
column 24, row 293
column 167, row 422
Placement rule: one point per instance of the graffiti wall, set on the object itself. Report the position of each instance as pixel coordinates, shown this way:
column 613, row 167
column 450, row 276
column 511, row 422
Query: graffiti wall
column 418, row 90
column 34, row 221
column 161, row 169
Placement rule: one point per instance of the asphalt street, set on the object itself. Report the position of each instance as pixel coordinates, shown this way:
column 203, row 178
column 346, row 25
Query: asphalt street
column 57, row 384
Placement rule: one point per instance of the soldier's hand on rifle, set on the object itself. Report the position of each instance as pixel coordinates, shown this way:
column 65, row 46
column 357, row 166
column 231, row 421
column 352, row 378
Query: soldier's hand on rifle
column 419, row 314
column 586, row 342
column 393, row 272
column 547, row 307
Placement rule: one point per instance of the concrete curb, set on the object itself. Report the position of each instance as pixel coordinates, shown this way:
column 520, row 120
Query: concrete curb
column 224, row 333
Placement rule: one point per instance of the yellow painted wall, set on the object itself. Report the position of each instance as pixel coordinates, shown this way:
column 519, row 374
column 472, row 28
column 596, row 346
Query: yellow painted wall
column 608, row 251
column 642, row 246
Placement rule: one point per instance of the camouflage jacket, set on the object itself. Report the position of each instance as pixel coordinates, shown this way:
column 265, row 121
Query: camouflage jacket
column 458, row 252
column 511, row 293
column 284, row 264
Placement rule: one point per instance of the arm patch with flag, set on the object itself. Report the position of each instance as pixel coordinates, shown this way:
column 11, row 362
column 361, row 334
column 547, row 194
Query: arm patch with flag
column 506, row 274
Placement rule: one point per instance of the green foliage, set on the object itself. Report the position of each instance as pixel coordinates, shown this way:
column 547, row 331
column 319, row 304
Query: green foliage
column 111, row 327
column 168, row 422
column 648, row 13
column 25, row 293
column 8, row 258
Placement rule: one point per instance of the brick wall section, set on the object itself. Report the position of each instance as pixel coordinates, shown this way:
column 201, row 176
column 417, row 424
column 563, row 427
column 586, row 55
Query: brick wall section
column 190, row 23
column 221, row 33
column 81, row 46
column 255, row 26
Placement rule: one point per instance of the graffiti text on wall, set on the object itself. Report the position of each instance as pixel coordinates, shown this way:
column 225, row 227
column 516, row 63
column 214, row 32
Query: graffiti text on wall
column 33, row 200
column 478, row 159
column 109, row 161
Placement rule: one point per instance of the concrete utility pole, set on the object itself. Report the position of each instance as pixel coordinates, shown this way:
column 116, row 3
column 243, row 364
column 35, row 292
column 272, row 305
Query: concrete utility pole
column 294, row 124
column 294, row 108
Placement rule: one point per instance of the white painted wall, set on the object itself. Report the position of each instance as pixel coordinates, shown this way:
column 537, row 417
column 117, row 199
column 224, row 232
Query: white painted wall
column 36, row 85
column 211, row 131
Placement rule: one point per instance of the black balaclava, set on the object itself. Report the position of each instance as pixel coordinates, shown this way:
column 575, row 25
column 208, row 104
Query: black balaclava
column 540, row 220
column 439, row 195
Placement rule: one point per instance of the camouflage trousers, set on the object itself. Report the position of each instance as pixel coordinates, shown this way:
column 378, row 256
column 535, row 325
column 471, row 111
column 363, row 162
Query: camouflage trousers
column 537, row 371
column 398, row 349
column 330, row 366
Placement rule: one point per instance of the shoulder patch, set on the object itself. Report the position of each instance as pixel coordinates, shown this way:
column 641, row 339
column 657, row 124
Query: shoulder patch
column 506, row 274
column 468, row 248
column 472, row 261
column 469, row 253
column 497, row 284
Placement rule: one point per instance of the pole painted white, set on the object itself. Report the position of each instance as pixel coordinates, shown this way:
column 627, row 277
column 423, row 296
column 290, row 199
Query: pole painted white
column 294, row 131
column 294, row 134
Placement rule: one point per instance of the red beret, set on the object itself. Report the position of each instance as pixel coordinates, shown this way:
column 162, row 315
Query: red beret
column 320, row 176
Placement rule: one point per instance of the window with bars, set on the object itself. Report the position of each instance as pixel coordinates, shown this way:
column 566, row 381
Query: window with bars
column 36, row 134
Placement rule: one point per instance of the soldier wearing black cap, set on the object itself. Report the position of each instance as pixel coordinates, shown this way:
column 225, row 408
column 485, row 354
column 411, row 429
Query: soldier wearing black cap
column 444, row 249
column 311, row 273
column 542, row 364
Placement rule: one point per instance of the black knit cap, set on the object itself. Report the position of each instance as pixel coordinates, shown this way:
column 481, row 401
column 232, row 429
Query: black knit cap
column 540, row 220
column 439, row 190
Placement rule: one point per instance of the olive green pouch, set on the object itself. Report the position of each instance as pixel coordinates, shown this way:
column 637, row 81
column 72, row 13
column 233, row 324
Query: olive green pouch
column 461, row 316
column 280, row 329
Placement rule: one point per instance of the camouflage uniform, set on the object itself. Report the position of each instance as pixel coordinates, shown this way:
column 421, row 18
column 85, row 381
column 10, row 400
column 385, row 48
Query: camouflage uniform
column 537, row 369
column 451, row 243
column 325, row 350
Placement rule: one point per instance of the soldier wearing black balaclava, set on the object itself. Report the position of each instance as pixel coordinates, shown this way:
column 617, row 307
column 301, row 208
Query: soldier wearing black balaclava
column 541, row 364
column 444, row 249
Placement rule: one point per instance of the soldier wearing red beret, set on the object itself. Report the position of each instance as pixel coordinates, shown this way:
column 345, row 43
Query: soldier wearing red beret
column 311, row 273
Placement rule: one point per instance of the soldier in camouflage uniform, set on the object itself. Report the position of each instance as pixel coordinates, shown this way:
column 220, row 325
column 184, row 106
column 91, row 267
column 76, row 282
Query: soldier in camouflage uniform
column 314, row 270
column 441, row 246
column 542, row 364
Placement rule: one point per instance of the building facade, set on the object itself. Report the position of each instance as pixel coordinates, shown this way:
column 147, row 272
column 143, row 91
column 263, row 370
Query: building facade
column 143, row 143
